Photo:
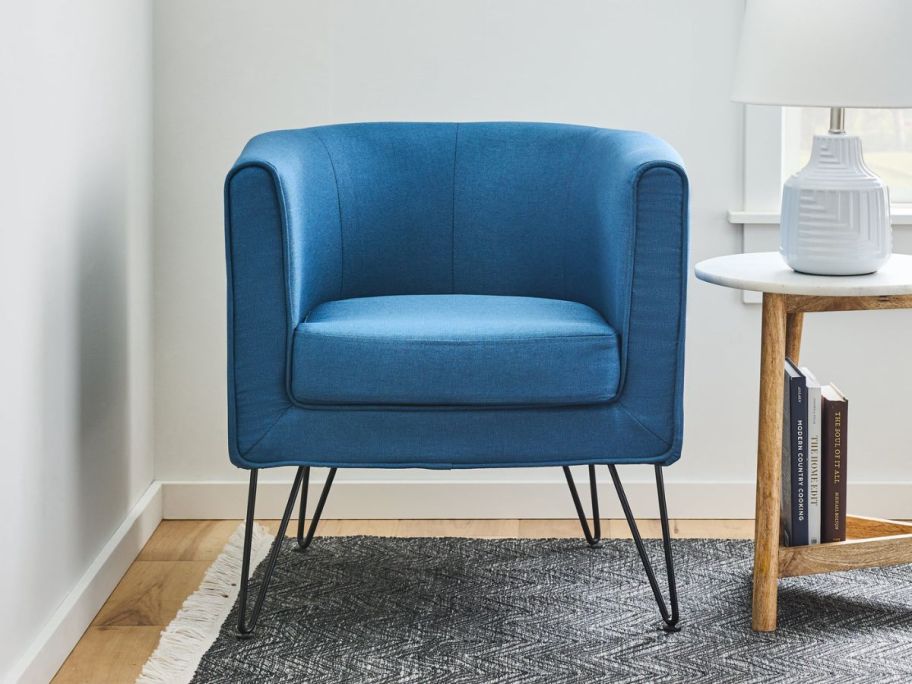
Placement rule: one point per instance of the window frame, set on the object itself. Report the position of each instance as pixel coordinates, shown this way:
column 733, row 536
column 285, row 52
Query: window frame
column 764, row 171
column 764, row 175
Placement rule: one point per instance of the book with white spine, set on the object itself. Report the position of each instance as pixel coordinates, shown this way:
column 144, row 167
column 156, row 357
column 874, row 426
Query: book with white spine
column 815, row 480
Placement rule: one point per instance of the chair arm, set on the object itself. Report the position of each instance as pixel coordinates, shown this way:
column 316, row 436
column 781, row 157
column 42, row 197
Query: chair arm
column 633, row 191
column 282, row 242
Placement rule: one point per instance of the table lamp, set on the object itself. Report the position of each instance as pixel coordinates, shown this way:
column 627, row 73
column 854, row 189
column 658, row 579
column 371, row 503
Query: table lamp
column 835, row 217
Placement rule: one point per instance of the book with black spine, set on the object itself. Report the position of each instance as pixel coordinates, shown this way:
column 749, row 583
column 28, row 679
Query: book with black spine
column 814, row 426
column 794, row 457
column 833, row 464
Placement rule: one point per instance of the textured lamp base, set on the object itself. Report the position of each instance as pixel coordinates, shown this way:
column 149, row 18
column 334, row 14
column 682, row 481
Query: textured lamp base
column 835, row 212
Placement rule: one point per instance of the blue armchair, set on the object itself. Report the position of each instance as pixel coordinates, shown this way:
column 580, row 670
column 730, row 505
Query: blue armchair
column 436, row 295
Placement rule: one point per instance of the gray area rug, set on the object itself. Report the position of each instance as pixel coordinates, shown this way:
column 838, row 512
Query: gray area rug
column 373, row 609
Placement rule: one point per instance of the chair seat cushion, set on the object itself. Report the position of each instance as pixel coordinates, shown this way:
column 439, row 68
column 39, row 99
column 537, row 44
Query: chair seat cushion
column 454, row 350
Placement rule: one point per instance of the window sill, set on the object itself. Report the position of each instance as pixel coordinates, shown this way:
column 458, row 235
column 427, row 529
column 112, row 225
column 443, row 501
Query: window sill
column 900, row 215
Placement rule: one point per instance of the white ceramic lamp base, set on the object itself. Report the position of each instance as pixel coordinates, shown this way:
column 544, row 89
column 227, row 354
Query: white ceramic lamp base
column 835, row 212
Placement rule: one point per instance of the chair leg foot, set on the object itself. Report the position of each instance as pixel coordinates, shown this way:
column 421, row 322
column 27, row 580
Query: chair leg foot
column 669, row 617
column 593, row 536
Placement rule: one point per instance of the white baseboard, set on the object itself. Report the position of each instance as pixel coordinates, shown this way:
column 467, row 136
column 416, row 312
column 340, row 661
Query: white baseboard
column 504, row 499
column 57, row 638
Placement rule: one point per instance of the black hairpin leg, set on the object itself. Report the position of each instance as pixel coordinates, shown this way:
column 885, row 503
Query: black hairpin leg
column 594, row 537
column 245, row 624
column 670, row 619
column 304, row 542
column 245, row 629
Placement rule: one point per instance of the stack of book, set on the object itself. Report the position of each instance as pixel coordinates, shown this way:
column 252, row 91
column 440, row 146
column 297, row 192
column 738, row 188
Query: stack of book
column 814, row 430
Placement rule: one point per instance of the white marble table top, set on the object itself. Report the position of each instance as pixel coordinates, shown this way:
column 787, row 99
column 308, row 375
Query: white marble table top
column 767, row 272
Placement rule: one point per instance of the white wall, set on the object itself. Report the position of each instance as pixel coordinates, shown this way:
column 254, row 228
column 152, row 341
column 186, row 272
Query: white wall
column 226, row 70
column 75, row 194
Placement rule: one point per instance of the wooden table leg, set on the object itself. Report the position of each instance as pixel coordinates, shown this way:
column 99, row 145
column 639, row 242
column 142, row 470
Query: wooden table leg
column 793, row 325
column 769, row 474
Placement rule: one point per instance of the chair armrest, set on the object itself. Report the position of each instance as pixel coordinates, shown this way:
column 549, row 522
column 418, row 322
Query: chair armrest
column 282, row 243
column 633, row 192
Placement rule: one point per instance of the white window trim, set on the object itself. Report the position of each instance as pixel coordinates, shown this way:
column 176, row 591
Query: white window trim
column 900, row 215
column 763, row 176
column 763, row 161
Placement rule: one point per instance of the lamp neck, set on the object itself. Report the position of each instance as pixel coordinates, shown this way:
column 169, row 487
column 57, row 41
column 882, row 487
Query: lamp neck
column 837, row 120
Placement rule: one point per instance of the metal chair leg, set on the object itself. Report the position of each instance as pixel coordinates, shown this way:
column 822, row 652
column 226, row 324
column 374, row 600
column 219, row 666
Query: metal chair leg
column 245, row 628
column 593, row 538
column 669, row 618
column 304, row 542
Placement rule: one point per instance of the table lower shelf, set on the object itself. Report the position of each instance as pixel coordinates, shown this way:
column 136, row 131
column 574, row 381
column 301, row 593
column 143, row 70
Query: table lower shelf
column 871, row 543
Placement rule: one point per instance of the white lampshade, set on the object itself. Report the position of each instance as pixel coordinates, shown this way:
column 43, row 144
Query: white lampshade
column 826, row 53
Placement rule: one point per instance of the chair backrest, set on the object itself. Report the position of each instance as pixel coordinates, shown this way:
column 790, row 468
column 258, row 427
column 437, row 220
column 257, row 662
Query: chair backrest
column 482, row 208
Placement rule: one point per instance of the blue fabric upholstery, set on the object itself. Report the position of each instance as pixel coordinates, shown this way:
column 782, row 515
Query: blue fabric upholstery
column 454, row 350
column 588, row 216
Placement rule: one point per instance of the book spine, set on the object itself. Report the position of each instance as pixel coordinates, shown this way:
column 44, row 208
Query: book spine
column 833, row 503
column 813, row 463
column 785, row 506
column 799, row 415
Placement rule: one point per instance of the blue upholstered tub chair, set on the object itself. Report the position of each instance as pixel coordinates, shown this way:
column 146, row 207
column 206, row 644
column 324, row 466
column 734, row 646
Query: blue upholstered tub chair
column 438, row 295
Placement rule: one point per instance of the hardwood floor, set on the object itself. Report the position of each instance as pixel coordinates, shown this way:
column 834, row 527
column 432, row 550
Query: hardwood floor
column 171, row 566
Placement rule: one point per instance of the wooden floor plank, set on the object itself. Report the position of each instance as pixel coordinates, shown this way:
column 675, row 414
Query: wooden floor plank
column 712, row 529
column 618, row 529
column 108, row 655
column 490, row 529
column 151, row 593
column 378, row 528
column 862, row 527
column 543, row 529
column 188, row 540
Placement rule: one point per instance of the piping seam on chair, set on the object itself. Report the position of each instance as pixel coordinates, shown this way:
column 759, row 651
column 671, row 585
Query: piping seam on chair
column 265, row 434
column 462, row 465
column 628, row 275
column 445, row 408
column 432, row 342
column 229, row 244
column 453, row 225
column 636, row 420
column 633, row 206
column 332, row 165
column 682, row 309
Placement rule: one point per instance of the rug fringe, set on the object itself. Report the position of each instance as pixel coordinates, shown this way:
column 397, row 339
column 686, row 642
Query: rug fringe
column 195, row 627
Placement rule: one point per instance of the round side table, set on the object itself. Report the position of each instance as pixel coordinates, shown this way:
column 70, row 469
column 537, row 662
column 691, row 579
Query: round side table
column 787, row 296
